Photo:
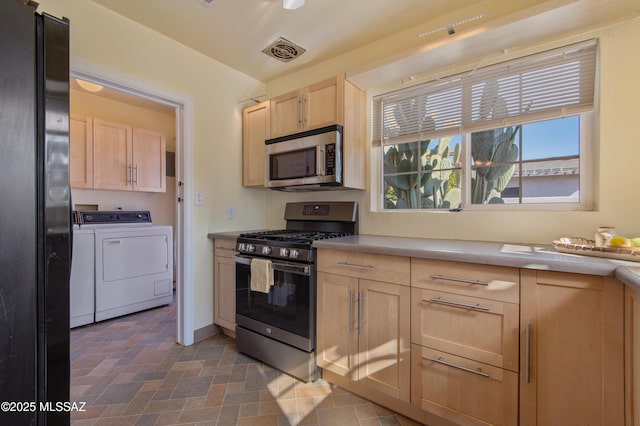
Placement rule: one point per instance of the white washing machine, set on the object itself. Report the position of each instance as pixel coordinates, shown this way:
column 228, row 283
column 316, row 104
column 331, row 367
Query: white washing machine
column 133, row 262
column 82, row 282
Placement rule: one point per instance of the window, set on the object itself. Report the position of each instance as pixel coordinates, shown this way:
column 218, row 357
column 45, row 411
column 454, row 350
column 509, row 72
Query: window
column 514, row 133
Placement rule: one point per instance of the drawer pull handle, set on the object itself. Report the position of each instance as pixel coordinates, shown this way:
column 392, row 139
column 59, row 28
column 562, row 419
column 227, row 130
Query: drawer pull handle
column 459, row 280
column 527, row 359
column 350, row 311
column 353, row 265
column 478, row 306
column 439, row 360
column 360, row 301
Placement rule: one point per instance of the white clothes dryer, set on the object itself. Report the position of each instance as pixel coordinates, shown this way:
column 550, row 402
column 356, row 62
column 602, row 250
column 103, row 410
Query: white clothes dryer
column 133, row 262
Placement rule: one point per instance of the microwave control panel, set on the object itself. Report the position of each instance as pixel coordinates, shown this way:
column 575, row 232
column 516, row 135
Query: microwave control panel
column 330, row 159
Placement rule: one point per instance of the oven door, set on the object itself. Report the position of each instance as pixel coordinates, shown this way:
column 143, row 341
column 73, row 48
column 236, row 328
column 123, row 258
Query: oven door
column 287, row 313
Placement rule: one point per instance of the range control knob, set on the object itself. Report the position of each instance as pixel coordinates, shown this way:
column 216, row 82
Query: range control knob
column 251, row 248
column 284, row 252
column 266, row 250
column 242, row 247
column 294, row 254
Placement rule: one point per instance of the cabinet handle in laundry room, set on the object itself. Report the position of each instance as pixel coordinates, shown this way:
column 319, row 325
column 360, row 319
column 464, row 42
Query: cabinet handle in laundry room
column 136, row 181
column 129, row 175
column 439, row 360
column 459, row 304
column 459, row 280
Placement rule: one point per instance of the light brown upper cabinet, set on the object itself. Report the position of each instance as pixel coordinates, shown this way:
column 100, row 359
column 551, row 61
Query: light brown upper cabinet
column 81, row 151
column 255, row 130
column 331, row 101
column 149, row 161
column 128, row 159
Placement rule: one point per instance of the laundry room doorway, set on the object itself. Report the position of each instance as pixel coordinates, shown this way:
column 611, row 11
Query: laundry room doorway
column 168, row 206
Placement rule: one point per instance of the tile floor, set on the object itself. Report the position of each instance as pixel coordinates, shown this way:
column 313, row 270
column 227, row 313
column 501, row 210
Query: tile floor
column 130, row 371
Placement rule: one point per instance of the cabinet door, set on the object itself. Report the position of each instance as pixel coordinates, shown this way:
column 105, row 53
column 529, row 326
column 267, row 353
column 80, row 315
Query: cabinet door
column 81, row 151
column 149, row 161
column 286, row 114
column 464, row 391
column 632, row 356
column 225, row 292
column 112, row 155
column 323, row 103
column 255, row 129
column 384, row 348
column 337, row 335
column 571, row 341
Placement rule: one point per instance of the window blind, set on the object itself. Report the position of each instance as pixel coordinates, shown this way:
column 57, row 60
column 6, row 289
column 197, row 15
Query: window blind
column 545, row 85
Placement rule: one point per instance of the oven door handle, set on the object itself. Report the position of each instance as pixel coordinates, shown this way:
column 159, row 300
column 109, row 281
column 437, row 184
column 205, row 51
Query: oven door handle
column 293, row 268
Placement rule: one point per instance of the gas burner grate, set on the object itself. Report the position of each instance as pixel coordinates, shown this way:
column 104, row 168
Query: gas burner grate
column 293, row 236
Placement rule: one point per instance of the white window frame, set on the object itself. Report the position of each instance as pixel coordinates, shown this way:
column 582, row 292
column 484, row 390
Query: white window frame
column 587, row 141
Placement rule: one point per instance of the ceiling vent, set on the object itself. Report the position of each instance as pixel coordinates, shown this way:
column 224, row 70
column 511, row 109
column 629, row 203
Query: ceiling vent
column 283, row 50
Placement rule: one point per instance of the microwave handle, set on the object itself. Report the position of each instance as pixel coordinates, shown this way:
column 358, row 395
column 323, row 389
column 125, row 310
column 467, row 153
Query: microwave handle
column 320, row 160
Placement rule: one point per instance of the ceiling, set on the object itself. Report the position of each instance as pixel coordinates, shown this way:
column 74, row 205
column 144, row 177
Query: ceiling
column 235, row 32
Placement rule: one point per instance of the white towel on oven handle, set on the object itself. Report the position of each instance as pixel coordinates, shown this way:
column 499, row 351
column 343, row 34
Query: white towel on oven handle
column 261, row 275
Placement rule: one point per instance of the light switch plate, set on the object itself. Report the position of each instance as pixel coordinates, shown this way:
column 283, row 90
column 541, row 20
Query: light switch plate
column 199, row 199
column 231, row 212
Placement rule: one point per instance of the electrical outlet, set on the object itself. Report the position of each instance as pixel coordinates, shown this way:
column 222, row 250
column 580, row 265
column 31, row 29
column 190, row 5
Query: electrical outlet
column 199, row 199
column 231, row 212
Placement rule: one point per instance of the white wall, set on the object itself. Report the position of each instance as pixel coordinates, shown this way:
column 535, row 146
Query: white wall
column 103, row 38
column 616, row 158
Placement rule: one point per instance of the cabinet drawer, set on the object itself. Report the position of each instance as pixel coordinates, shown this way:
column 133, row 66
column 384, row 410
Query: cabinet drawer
column 480, row 329
column 376, row 267
column 224, row 248
column 470, row 279
column 463, row 391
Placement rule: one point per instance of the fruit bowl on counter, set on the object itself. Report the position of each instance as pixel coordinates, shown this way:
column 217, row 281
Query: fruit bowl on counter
column 587, row 247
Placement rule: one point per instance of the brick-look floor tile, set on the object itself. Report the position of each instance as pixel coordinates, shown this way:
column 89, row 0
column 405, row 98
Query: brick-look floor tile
column 130, row 371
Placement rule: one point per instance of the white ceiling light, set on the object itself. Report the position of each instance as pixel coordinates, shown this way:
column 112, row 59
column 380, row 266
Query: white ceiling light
column 88, row 86
column 292, row 4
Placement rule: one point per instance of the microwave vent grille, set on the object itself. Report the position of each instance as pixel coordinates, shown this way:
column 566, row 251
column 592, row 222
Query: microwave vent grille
column 283, row 50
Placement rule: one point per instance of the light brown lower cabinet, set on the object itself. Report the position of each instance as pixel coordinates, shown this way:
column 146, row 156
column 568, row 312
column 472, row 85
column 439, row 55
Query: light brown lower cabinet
column 571, row 350
column 489, row 345
column 632, row 357
column 363, row 332
column 224, row 282
column 461, row 390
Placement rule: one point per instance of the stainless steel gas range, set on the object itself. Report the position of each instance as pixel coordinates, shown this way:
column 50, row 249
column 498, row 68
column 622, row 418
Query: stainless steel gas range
column 278, row 326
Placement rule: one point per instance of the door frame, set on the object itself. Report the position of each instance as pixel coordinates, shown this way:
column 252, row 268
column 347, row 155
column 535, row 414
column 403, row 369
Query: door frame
column 183, row 231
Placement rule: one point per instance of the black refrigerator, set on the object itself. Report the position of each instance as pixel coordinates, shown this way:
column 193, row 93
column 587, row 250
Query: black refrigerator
column 35, row 216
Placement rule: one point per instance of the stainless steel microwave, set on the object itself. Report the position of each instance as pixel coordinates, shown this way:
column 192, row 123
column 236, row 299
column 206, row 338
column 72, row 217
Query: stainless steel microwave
column 305, row 161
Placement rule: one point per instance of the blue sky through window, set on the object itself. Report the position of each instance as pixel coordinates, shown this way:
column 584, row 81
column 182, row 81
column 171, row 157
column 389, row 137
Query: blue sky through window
column 551, row 138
